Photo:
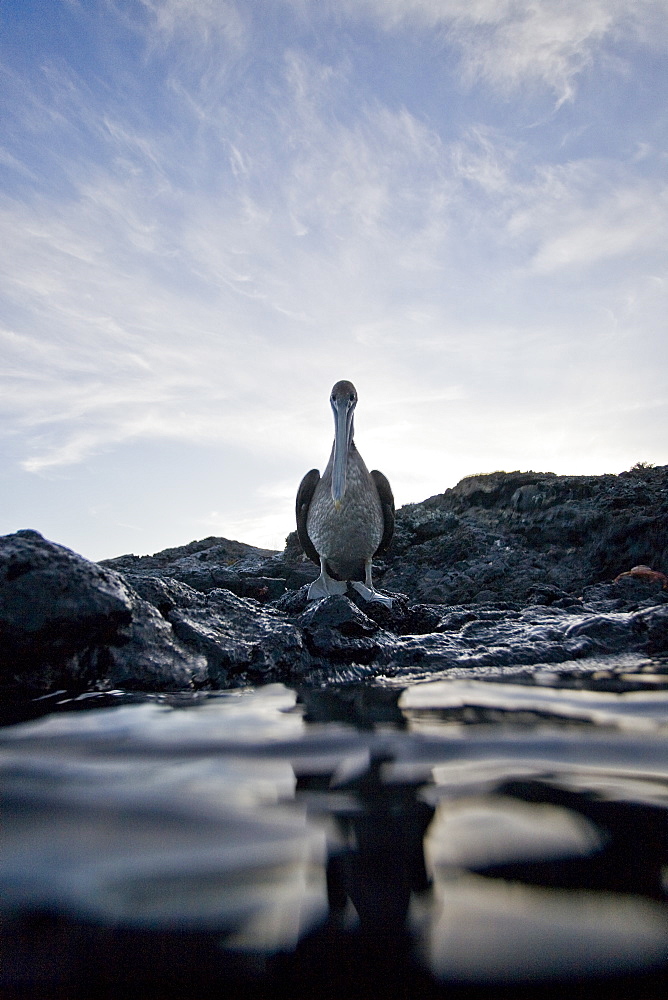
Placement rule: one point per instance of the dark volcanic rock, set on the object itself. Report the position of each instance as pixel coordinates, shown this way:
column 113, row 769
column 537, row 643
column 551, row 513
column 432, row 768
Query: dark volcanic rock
column 152, row 658
column 338, row 613
column 212, row 563
column 242, row 641
column 503, row 570
column 503, row 535
column 337, row 630
column 211, row 553
column 65, row 621
column 626, row 594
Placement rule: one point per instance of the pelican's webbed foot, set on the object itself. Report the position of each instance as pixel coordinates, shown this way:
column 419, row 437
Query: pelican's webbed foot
column 367, row 589
column 369, row 594
column 325, row 585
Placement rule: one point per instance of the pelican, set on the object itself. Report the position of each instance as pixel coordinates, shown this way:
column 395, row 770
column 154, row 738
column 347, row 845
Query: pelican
column 346, row 517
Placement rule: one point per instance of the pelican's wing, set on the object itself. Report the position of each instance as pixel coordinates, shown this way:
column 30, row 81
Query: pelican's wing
column 387, row 503
column 304, row 497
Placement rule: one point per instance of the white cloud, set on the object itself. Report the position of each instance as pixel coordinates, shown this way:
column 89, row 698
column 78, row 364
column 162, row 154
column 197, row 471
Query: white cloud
column 586, row 213
column 146, row 311
column 511, row 43
column 200, row 276
column 198, row 20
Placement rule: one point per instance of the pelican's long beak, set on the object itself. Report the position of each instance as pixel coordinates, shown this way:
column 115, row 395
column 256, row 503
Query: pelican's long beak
column 343, row 422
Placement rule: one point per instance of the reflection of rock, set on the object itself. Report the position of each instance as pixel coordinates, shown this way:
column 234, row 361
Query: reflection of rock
column 505, row 938
column 611, row 868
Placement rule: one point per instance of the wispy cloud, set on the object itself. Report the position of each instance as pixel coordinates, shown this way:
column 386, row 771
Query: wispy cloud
column 200, row 20
column 509, row 44
column 585, row 224
column 200, row 240
column 166, row 307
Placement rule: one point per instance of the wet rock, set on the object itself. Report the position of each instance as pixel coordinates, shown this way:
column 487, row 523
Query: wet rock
column 337, row 630
column 505, row 569
column 412, row 619
column 549, row 595
column 44, row 585
column 496, row 638
column 164, row 593
column 626, row 594
column 212, row 563
column 654, row 622
column 152, row 658
column 241, row 640
column 294, row 602
column 504, row 535
column 65, row 621
column 338, row 613
column 611, row 632
column 403, row 618
column 332, row 646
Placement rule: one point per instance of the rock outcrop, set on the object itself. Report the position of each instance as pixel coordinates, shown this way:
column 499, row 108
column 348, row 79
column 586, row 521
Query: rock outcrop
column 504, row 536
column 503, row 570
column 66, row 622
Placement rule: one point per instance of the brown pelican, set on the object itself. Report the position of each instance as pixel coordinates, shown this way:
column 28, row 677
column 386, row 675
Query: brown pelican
column 346, row 517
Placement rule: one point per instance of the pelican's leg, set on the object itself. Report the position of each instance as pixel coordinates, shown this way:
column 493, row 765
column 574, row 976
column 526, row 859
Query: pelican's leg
column 325, row 586
column 366, row 589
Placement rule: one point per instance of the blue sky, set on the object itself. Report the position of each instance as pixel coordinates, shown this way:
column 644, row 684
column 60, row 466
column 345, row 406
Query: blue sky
column 211, row 210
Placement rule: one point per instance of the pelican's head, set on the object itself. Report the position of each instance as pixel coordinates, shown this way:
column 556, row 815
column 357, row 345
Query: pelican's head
column 343, row 400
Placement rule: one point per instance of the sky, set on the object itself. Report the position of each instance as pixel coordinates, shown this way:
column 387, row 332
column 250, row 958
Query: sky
column 212, row 210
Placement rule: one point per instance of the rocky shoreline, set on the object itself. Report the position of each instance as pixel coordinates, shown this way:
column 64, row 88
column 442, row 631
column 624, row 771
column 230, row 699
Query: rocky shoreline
column 503, row 569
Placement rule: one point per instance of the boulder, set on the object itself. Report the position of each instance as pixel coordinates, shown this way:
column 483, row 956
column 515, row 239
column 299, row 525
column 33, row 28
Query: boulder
column 243, row 642
column 67, row 622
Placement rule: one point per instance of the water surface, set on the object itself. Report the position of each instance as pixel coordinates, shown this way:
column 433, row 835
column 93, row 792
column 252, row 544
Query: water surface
column 491, row 832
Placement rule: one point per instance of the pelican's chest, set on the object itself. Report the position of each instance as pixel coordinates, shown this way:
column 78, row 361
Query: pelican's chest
column 354, row 530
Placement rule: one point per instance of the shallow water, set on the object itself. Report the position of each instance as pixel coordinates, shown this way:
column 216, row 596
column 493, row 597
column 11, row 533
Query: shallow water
column 487, row 832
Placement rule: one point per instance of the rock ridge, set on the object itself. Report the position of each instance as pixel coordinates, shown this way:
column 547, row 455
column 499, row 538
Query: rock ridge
column 504, row 569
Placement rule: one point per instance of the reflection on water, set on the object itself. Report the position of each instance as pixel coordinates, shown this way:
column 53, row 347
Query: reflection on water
column 448, row 836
